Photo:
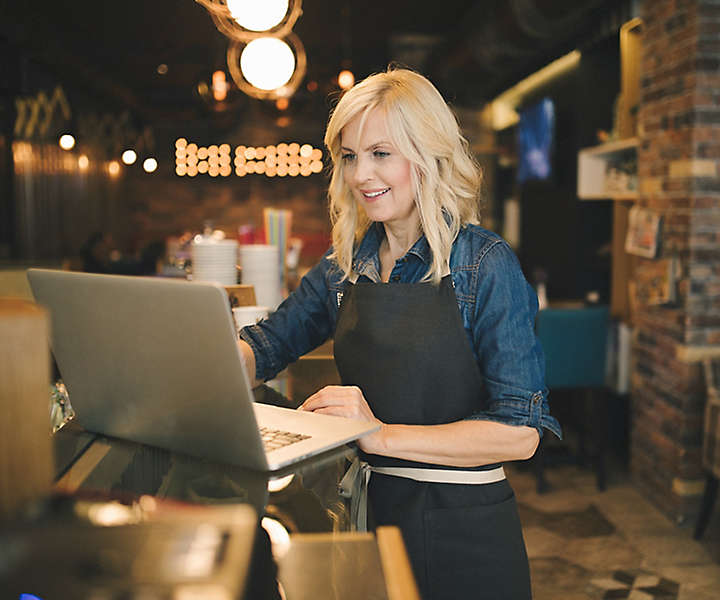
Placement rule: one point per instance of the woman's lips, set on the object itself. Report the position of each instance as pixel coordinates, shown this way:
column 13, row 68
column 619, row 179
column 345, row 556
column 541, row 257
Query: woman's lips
column 374, row 194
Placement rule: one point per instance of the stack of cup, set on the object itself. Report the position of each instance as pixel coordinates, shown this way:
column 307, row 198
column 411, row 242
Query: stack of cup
column 261, row 268
column 214, row 260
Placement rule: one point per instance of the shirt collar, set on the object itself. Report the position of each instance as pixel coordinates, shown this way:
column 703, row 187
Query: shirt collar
column 421, row 249
column 367, row 253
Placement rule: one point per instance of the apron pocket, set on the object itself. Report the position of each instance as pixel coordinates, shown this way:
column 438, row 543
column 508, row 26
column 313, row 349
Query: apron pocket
column 476, row 552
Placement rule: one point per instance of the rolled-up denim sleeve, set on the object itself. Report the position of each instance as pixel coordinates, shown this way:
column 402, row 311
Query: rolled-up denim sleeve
column 510, row 356
column 301, row 323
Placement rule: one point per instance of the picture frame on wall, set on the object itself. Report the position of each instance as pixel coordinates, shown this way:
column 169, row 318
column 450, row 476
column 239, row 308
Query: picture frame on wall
column 643, row 234
column 654, row 283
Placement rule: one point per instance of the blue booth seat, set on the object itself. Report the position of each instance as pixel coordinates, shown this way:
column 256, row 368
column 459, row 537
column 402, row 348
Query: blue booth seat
column 574, row 341
column 575, row 344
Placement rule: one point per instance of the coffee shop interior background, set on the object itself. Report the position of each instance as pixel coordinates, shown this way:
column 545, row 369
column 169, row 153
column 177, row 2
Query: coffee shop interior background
column 140, row 76
column 98, row 76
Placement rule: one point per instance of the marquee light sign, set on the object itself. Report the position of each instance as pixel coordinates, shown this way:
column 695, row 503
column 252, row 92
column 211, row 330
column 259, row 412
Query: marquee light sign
column 284, row 159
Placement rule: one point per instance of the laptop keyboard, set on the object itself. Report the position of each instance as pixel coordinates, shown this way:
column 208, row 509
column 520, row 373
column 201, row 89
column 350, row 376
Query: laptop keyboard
column 276, row 438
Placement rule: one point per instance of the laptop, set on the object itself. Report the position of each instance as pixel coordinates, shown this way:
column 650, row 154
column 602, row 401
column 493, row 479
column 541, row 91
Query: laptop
column 156, row 361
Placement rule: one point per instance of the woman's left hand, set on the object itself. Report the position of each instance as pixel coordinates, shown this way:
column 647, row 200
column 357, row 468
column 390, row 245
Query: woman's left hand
column 346, row 401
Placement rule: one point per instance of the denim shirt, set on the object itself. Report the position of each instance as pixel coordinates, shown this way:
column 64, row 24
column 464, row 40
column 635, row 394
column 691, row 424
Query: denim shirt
column 496, row 303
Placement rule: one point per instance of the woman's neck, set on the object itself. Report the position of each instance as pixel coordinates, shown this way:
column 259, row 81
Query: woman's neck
column 400, row 237
column 398, row 240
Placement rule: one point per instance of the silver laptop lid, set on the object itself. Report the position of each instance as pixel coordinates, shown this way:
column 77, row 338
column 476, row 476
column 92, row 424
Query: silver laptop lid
column 154, row 361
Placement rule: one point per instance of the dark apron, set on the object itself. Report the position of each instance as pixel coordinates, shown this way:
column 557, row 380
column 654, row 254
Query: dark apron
column 405, row 347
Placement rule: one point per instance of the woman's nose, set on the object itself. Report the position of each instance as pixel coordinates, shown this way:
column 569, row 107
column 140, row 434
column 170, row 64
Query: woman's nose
column 363, row 170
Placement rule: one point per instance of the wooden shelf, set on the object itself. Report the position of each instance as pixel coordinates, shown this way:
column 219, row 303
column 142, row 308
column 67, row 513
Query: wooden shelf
column 593, row 166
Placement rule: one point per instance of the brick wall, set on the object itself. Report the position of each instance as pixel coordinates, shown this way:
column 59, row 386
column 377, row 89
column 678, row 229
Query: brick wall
column 679, row 123
column 165, row 205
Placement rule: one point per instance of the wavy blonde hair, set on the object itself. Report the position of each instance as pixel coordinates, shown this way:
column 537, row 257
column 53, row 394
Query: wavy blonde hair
column 445, row 176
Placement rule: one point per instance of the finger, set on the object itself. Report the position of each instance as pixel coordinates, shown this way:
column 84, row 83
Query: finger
column 330, row 395
column 320, row 401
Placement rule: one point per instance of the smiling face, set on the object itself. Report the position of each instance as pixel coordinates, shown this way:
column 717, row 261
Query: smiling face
column 378, row 175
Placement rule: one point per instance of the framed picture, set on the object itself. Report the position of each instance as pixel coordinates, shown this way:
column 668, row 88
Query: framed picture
column 643, row 234
column 654, row 282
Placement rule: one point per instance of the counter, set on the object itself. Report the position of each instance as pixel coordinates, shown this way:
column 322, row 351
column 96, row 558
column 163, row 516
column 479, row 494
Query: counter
column 318, row 558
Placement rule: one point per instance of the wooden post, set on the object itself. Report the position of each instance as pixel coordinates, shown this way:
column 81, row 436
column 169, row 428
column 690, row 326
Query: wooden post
column 26, row 456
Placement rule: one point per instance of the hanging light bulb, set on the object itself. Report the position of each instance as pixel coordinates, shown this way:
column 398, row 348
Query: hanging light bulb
column 150, row 164
column 267, row 63
column 266, row 67
column 258, row 15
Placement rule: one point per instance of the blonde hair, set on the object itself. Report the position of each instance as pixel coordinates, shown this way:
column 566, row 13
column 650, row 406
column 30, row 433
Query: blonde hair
column 445, row 177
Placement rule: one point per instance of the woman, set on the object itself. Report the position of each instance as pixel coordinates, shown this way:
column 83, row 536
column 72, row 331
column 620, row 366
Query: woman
column 433, row 327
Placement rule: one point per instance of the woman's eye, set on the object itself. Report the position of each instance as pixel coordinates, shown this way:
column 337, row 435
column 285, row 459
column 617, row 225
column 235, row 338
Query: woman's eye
column 348, row 156
column 381, row 154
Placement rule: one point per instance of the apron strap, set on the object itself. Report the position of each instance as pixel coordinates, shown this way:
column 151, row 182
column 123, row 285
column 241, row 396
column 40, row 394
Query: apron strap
column 444, row 475
column 354, row 484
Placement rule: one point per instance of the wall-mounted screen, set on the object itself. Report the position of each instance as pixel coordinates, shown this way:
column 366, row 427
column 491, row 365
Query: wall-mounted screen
column 535, row 134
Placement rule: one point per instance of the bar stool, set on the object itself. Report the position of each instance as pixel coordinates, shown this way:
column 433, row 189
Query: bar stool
column 711, row 445
column 574, row 341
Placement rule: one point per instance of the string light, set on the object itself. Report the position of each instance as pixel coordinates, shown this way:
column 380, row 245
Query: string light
column 346, row 79
column 284, row 159
column 67, row 142
column 219, row 86
column 150, row 164
column 129, row 157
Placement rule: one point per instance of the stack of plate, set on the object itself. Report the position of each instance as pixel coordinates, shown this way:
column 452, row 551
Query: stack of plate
column 215, row 260
column 261, row 268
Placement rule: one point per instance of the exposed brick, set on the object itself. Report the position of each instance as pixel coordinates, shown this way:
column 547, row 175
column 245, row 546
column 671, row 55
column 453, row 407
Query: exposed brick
column 678, row 177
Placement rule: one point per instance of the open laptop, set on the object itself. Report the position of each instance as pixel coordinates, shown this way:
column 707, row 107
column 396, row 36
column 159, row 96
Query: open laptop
column 156, row 361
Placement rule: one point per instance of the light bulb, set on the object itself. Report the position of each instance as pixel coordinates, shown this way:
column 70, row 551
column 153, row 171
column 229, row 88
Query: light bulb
column 258, row 15
column 267, row 63
column 346, row 79
column 67, row 142
column 129, row 157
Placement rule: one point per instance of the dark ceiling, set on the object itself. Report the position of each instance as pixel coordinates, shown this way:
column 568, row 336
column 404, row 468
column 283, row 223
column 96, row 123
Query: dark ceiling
column 471, row 49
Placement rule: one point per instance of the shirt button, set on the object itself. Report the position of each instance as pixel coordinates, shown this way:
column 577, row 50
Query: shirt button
column 395, row 278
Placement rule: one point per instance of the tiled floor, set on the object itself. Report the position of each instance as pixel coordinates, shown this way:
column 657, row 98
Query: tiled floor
column 590, row 545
